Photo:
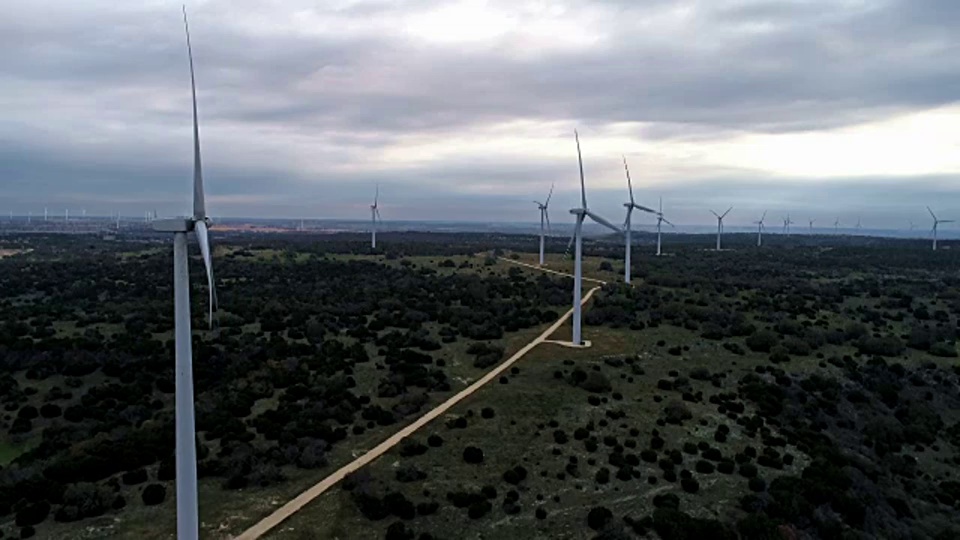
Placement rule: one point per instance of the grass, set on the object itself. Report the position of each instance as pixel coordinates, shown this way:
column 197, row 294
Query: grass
column 517, row 435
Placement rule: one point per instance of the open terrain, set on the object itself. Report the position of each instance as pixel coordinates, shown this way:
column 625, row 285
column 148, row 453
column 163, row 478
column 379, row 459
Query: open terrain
column 807, row 390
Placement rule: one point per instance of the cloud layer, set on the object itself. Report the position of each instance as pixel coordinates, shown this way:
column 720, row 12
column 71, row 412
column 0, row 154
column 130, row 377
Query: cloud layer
column 464, row 109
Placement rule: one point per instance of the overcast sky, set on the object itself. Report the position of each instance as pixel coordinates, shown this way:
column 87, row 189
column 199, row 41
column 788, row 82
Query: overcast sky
column 466, row 109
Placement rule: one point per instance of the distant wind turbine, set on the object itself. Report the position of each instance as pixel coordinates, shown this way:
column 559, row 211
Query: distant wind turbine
column 836, row 226
column 936, row 226
column 66, row 215
column 544, row 218
column 631, row 205
column 787, row 222
column 812, row 221
column 374, row 217
column 720, row 224
column 582, row 213
column 760, row 228
column 186, row 458
column 660, row 221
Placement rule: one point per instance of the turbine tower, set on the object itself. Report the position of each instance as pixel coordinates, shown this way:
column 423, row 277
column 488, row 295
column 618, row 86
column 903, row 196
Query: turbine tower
column 631, row 205
column 44, row 213
column 836, row 226
column 186, row 458
column 582, row 213
column 374, row 216
column 812, row 221
column 66, row 215
column 720, row 224
column 936, row 226
column 660, row 221
column 858, row 225
column 544, row 218
column 760, row 228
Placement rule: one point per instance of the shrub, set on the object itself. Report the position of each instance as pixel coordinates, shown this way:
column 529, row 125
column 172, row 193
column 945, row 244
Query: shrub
column 154, row 494
column 472, row 454
column 762, row 341
column 599, row 517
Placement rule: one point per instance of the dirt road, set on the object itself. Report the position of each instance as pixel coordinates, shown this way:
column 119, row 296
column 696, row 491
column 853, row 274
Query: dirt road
column 549, row 271
column 288, row 509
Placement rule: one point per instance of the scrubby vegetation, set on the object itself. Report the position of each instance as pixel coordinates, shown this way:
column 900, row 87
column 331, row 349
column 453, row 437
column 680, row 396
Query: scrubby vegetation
column 792, row 392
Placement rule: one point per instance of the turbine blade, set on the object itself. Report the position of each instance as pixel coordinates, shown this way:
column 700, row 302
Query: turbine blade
column 546, row 216
column 629, row 182
column 204, row 241
column 376, row 196
column 644, row 208
column 549, row 195
column 583, row 188
column 716, row 214
column 667, row 222
column 948, row 221
column 199, row 205
column 661, row 205
column 764, row 216
column 377, row 212
column 604, row 222
column 934, row 216
column 727, row 212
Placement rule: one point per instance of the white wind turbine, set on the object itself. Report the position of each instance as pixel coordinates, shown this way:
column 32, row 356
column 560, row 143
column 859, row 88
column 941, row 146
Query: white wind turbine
column 760, row 228
column 660, row 221
column 858, row 225
column 836, row 226
column 720, row 224
column 812, row 221
column 787, row 222
column 544, row 218
column 577, row 238
column 186, row 458
column 936, row 226
column 45, row 213
column 631, row 205
column 374, row 218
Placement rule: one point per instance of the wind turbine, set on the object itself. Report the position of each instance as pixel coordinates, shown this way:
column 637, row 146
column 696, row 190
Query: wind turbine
column 30, row 216
column 720, row 224
column 186, row 458
column 836, row 226
column 374, row 216
column 858, row 224
column 44, row 213
column 626, row 224
column 660, row 220
column 544, row 217
column 812, row 221
column 787, row 222
column 936, row 225
column 582, row 213
column 760, row 227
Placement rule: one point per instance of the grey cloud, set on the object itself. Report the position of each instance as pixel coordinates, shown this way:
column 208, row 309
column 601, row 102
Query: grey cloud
column 76, row 65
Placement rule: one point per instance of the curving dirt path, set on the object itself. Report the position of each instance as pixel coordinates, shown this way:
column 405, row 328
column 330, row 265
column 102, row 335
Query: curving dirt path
column 549, row 271
column 298, row 502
